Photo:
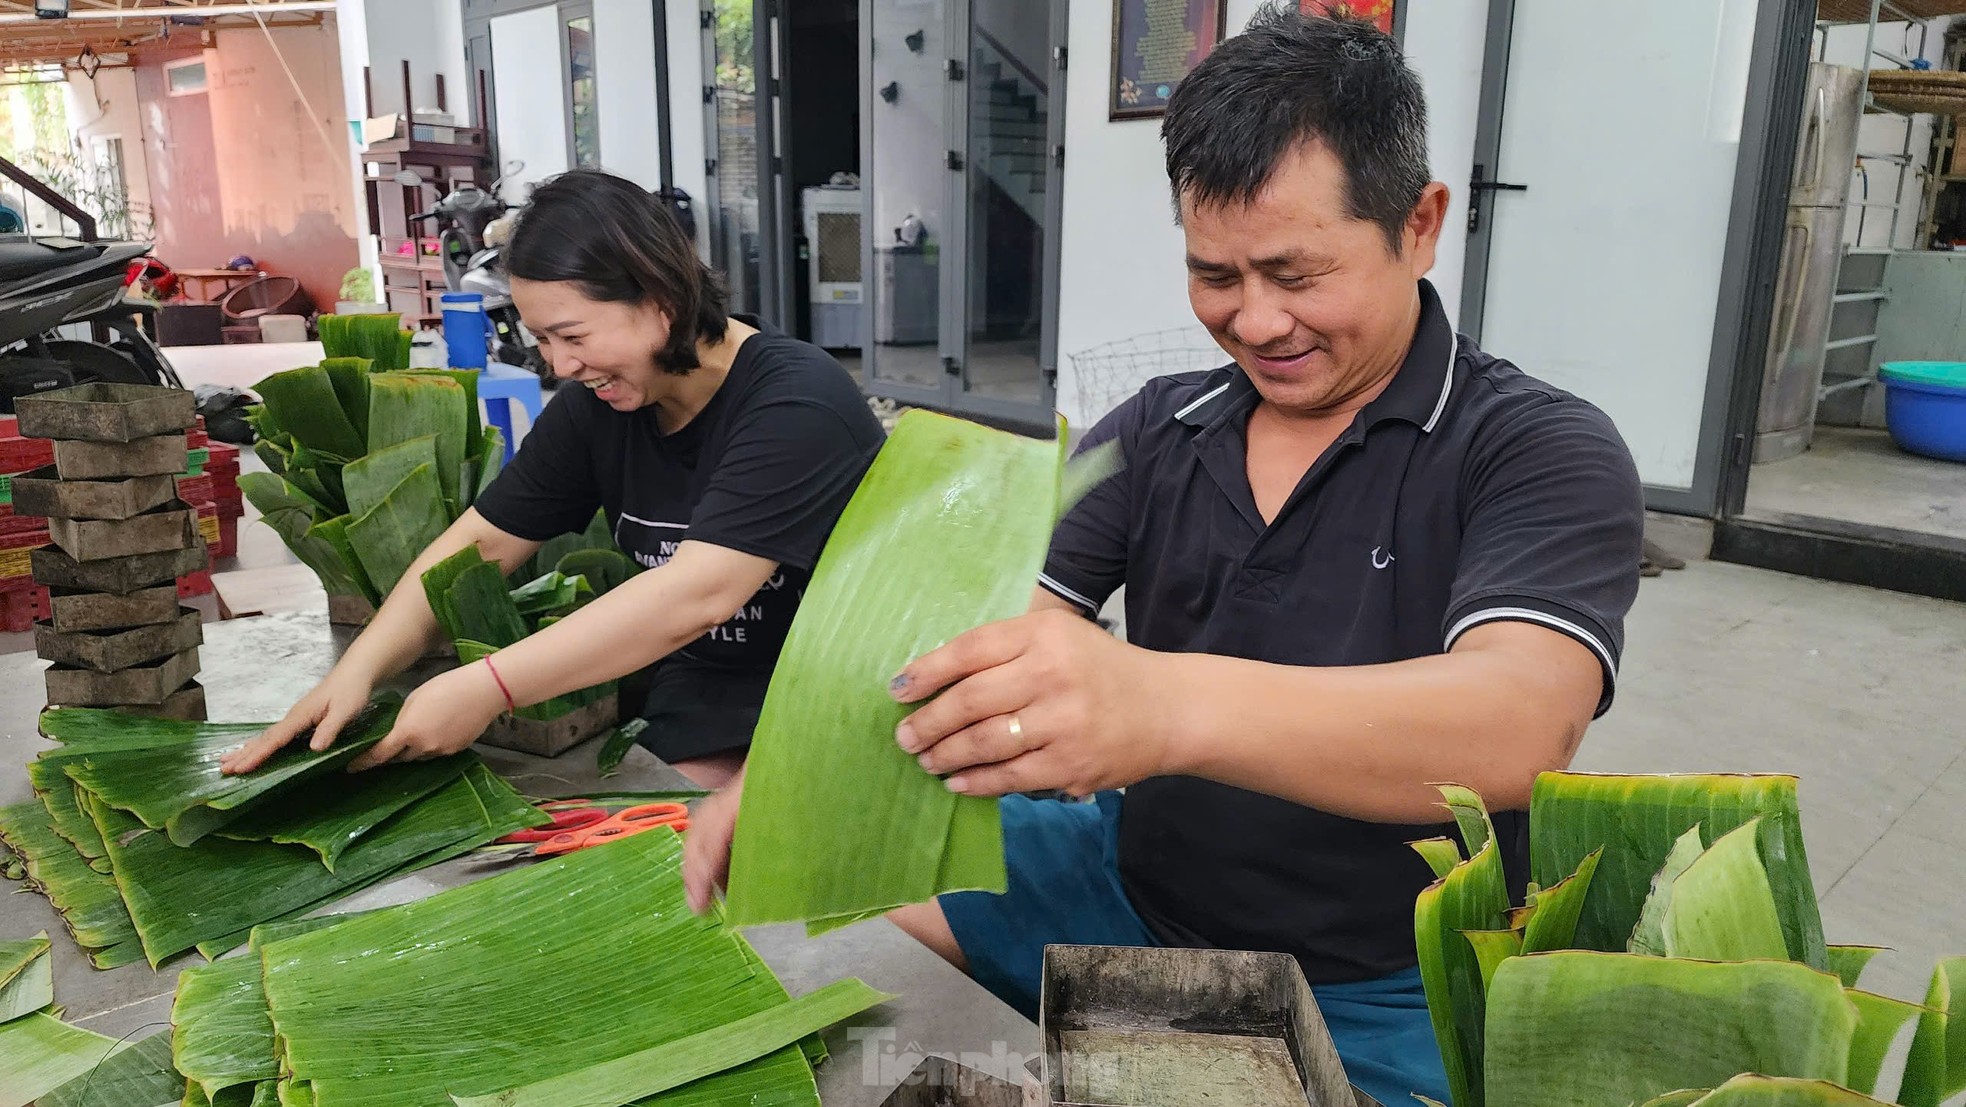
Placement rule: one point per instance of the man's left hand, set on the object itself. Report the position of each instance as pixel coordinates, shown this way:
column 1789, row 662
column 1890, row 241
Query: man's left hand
column 444, row 716
column 1040, row 702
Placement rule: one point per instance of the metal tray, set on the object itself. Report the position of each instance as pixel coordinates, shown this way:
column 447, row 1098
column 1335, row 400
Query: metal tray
column 109, row 651
column 163, row 455
column 153, row 683
column 42, row 493
column 557, row 737
column 174, row 528
column 121, row 575
column 74, row 611
column 100, row 412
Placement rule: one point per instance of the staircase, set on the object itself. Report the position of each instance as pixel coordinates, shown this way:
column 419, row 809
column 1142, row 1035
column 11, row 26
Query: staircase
column 1007, row 127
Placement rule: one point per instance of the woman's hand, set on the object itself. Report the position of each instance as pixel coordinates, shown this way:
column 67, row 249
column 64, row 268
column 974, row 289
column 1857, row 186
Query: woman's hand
column 706, row 847
column 326, row 709
column 443, row 717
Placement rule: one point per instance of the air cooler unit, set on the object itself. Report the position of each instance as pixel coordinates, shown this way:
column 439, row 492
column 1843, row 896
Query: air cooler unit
column 832, row 228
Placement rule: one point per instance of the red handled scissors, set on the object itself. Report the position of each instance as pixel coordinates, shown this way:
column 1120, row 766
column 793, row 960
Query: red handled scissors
column 577, row 824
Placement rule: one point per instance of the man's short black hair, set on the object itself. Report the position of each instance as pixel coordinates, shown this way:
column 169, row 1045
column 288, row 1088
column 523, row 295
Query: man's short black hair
column 1289, row 79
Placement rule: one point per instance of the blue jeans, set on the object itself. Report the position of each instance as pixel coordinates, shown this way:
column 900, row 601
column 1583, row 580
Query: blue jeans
column 1064, row 888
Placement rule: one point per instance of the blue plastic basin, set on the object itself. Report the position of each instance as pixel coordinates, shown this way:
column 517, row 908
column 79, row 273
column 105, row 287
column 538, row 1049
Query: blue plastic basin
column 1925, row 407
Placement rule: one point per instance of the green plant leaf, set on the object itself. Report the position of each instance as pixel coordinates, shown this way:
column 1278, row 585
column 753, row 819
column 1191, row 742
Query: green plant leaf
column 304, row 403
column 43, row 1053
column 1769, row 1091
column 27, row 977
column 393, row 534
column 1637, row 819
column 896, row 835
column 334, row 532
column 1849, row 962
column 350, row 378
column 491, row 460
column 1491, row 948
column 1578, row 1027
column 437, row 581
column 1935, row 1070
column 222, row 1034
column 369, row 480
column 608, row 761
column 138, row 1076
column 1553, row 912
column 1649, row 935
column 1474, row 896
column 556, row 593
column 328, row 813
column 483, row 607
column 403, row 406
column 86, row 899
column 1879, row 1018
column 605, row 570
column 1721, row 908
column 291, row 514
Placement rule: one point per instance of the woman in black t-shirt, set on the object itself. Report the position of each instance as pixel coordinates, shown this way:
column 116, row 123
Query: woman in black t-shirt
column 721, row 451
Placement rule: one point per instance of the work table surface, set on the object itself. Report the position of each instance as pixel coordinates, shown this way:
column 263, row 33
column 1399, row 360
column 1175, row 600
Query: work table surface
column 254, row 669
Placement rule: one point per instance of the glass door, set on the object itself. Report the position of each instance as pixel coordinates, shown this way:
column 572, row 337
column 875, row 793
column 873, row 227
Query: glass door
column 732, row 180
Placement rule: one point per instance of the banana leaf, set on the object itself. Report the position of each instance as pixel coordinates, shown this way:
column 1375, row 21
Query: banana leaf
column 1473, row 896
column 221, row 1031
column 1879, row 1018
column 334, row 532
column 1553, row 923
column 180, row 789
column 1649, row 936
column 372, row 1012
column 597, row 535
column 481, row 607
column 491, row 461
column 1637, row 819
column 608, row 761
column 87, row 900
column 1580, row 1027
column 1769, row 1091
column 474, row 427
column 304, row 403
column 90, row 730
column 1849, row 962
column 673, row 1064
column 273, row 453
column 1721, row 907
column 437, row 581
column 546, row 710
column 394, row 533
column 292, row 517
column 27, row 977
column 605, row 570
column 330, row 813
column 181, row 896
column 43, row 1053
column 1935, row 1070
column 350, row 378
column 403, row 406
column 896, row 835
column 369, row 479
column 319, row 479
column 554, row 593
column 139, row 1076
column 57, row 794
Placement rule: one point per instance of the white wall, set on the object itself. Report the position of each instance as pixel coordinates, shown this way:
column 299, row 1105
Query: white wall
column 532, row 99
column 907, row 135
column 105, row 106
column 1121, row 271
column 430, row 35
column 627, row 72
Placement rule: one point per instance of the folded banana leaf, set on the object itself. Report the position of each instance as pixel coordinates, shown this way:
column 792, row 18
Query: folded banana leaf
column 477, row 603
column 304, row 404
column 350, row 378
column 489, row 463
column 330, row 812
column 370, row 478
column 1767, row 1091
column 895, row 834
column 1581, row 1027
column 392, row 534
column 671, row 1065
column 87, row 900
column 556, row 593
column 58, row 794
column 139, row 1076
column 181, row 790
column 605, row 570
column 1472, row 896
column 179, row 896
column 84, row 731
column 334, row 532
column 597, row 535
column 403, row 406
column 27, row 977
column 1935, row 1070
column 373, row 1012
column 1720, row 908
column 43, row 1053
column 1637, row 819
column 292, row 517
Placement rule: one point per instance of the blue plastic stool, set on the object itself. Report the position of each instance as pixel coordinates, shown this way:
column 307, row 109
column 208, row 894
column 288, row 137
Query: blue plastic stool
column 499, row 386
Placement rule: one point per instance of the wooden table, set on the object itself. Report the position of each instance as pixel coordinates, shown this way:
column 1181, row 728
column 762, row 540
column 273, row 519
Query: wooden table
column 227, row 280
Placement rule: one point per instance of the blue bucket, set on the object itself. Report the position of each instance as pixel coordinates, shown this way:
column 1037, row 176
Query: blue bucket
column 1925, row 407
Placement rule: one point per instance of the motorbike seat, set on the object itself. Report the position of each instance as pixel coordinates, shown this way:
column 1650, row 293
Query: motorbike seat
column 22, row 257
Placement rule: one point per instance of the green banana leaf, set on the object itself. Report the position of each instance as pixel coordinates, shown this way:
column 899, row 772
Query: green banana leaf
column 1472, row 897
column 139, row 1076
column 330, row 812
column 222, row 1033
column 474, row 427
column 57, row 793
column 481, row 607
column 394, row 533
column 1649, row 936
column 1637, row 819
column 671, row 1065
column 370, row 479
column 1879, row 1018
column 334, row 532
column 1721, row 908
column 596, row 536
column 43, row 1053
column 491, row 461
column 304, row 403
column 604, row 570
column 403, row 406
column 556, row 593
column 1769, row 1091
column 87, row 900
column 1849, row 962
column 1935, row 1070
column 1580, row 1027
column 27, row 977
column 608, row 760
column 372, row 1012
column 1553, row 923
column 292, row 516
column 437, row 581
column 181, row 896
column 180, row 789
column 350, row 378
column 318, row 475
column 895, row 835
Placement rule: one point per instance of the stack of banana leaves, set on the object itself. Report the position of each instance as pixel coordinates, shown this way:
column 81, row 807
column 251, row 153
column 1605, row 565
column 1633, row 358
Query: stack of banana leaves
column 367, row 467
column 1670, row 952
column 378, row 336
column 582, row 981
column 481, row 616
column 147, row 850
column 53, row 1064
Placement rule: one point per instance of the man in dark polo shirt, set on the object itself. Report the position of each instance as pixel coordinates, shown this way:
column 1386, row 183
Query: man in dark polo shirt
column 1363, row 557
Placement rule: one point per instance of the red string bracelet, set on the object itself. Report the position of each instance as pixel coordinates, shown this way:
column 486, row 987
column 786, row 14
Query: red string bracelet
column 510, row 707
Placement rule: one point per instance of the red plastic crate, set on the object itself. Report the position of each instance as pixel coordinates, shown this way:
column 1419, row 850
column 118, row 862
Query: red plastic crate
column 17, row 454
column 11, row 523
column 194, row 584
column 20, row 608
column 14, row 548
column 228, row 536
column 224, row 453
column 196, row 489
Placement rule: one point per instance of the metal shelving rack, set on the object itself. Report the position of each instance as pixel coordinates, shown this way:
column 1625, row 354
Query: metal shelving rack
column 1869, row 13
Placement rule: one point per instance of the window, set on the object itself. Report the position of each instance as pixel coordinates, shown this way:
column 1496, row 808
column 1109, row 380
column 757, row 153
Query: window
column 185, row 78
column 583, row 95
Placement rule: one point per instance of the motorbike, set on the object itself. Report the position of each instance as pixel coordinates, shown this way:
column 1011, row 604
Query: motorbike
column 464, row 217
column 51, row 283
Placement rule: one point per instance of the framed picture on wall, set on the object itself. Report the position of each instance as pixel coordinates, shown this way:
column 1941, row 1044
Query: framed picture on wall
column 1382, row 14
column 1156, row 43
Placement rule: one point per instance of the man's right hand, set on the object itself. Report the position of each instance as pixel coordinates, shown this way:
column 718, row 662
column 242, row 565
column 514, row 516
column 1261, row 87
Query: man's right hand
column 706, row 847
column 326, row 709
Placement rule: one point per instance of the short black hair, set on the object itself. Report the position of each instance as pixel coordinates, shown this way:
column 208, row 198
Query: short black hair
column 1289, row 79
column 619, row 243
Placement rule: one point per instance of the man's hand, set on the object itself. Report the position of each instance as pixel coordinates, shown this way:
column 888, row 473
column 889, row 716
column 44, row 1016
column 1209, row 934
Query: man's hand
column 1043, row 701
column 443, row 717
column 706, row 847
column 328, row 708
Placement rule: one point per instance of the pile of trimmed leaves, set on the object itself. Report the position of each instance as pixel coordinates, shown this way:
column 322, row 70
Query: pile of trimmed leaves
column 367, row 467
column 1670, row 953
column 481, row 616
column 378, row 337
column 147, row 850
column 57, row 1065
column 582, row 980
